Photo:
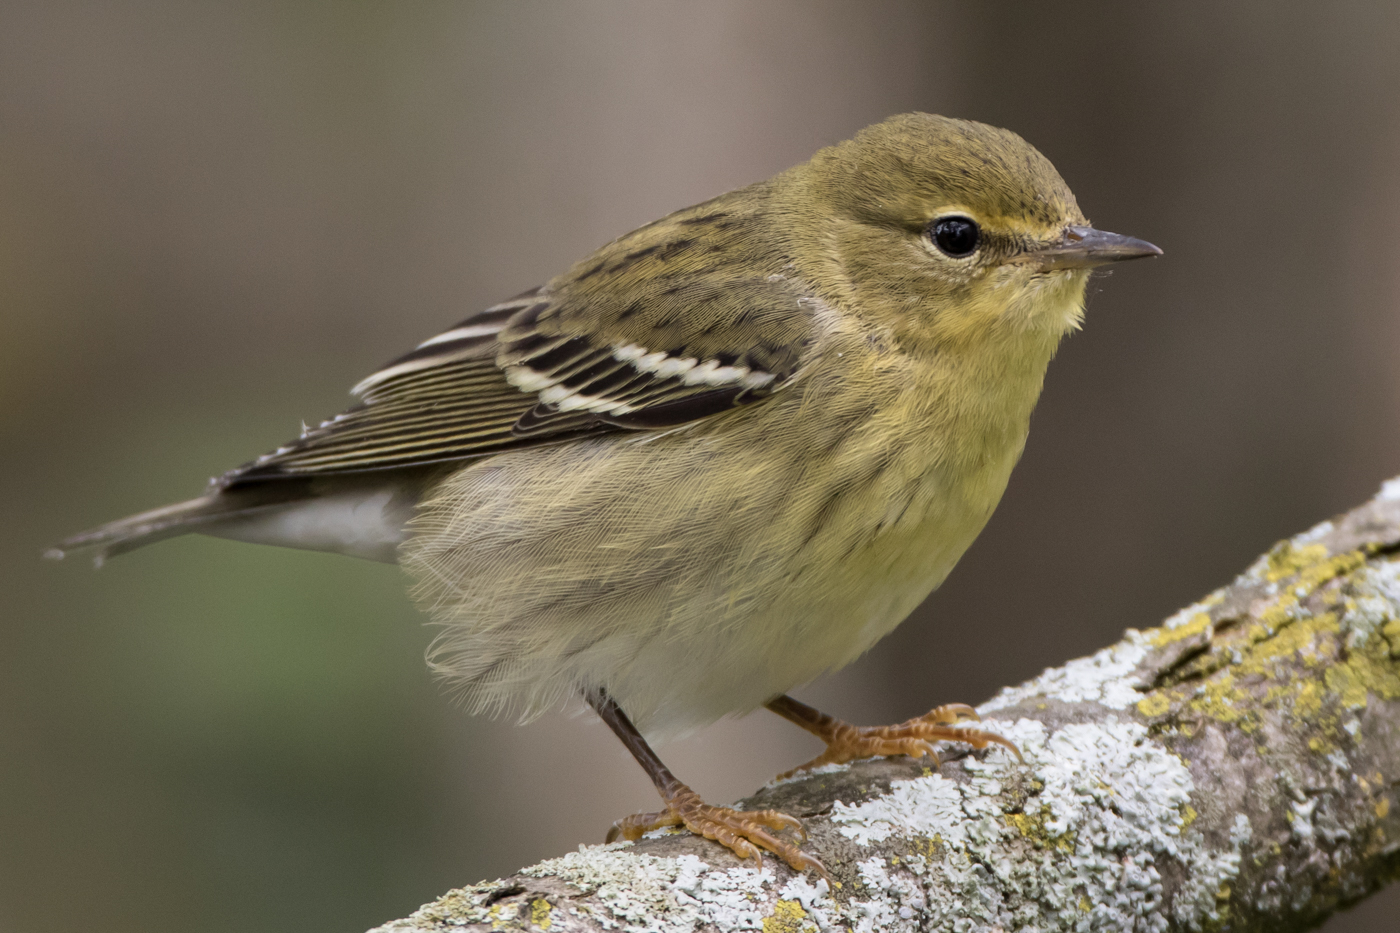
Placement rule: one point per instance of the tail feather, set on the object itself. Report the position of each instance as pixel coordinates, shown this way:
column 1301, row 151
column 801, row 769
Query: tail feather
column 134, row 531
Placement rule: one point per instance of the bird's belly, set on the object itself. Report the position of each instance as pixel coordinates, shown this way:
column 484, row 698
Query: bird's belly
column 821, row 616
column 721, row 573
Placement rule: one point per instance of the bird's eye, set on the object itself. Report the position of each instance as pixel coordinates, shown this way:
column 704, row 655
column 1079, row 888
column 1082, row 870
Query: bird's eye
column 957, row 237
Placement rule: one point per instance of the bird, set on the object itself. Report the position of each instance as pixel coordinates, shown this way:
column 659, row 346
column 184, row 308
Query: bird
column 720, row 456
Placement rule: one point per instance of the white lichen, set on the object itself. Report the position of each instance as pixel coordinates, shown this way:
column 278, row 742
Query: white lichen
column 814, row 897
column 1376, row 590
column 924, row 806
column 627, row 892
column 633, row 889
column 646, row 893
column 1105, row 677
column 729, row 899
column 1082, row 851
column 1300, row 819
column 898, row 904
column 1390, row 490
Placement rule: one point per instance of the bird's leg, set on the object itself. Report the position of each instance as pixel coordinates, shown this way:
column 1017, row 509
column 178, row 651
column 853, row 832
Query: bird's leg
column 743, row 832
column 915, row 737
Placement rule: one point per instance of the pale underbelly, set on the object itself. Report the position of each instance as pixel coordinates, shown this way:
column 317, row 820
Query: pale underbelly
column 819, row 622
column 750, row 587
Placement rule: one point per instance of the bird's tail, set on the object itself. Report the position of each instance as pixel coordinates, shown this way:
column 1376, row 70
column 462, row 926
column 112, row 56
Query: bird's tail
column 194, row 515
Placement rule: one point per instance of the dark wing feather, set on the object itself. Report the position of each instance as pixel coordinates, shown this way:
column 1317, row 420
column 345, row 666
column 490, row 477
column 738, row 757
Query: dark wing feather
column 649, row 332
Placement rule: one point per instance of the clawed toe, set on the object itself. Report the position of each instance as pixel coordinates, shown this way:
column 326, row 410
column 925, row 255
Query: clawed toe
column 744, row 832
column 773, row 819
column 638, row 825
column 979, row 740
column 914, row 737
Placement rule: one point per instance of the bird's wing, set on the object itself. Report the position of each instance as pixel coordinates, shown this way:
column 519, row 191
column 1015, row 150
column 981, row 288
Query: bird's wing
column 616, row 344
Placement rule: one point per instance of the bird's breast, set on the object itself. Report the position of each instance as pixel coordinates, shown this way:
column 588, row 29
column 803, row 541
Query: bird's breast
column 890, row 508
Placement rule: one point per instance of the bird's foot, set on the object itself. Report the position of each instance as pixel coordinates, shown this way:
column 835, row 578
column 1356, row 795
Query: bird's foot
column 744, row 832
column 914, row 737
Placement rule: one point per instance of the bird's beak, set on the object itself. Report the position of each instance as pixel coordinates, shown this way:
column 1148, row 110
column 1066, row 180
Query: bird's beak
column 1085, row 248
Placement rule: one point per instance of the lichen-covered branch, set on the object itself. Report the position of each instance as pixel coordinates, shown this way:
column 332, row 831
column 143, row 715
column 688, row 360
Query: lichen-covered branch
column 1235, row 769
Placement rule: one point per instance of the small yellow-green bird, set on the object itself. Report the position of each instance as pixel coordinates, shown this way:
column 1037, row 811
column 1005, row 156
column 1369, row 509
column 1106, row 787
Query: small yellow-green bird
column 720, row 456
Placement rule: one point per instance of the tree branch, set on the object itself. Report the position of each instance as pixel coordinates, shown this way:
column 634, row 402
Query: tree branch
column 1234, row 769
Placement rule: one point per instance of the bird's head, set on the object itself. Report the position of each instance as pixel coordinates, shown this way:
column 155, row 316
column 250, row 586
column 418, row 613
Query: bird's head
column 944, row 231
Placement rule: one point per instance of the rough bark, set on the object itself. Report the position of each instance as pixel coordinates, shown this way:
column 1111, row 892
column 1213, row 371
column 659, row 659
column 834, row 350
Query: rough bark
column 1235, row 768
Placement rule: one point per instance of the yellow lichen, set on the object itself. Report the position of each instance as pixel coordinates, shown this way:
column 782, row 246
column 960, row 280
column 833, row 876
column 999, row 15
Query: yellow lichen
column 1391, row 631
column 1338, row 566
column 1292, row 638
column 1199, row 623
column 1291, row 659
column 1308, row 700
column 1032, row 827
column 1154, row 704
column 787, row 917
column 926, row 847
column 1382, row 808
column 1310, row 564
column 1218, row 698
column 540, row 910
column 1285, row 560
column 1278, row 615
column 1311, row 569
column 1364, row 673
column 1188, row 815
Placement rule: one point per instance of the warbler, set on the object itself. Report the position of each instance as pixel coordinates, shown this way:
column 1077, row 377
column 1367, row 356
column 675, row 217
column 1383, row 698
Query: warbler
column 718, row 457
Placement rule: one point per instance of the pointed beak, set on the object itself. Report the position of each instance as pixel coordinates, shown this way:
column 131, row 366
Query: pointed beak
column 1085, row 248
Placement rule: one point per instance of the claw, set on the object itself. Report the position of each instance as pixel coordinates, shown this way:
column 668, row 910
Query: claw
column 949, row 713
column 811, row 863
column 778, row 821
column 918, row 748
column 979, row 739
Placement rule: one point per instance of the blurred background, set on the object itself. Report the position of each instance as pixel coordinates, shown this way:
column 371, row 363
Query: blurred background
column 215, row 218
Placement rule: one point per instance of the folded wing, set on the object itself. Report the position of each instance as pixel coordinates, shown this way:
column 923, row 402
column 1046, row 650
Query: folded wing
column 662, row 327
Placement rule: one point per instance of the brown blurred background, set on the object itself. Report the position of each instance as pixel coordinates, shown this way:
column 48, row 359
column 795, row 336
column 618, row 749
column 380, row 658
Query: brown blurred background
column 214, row 218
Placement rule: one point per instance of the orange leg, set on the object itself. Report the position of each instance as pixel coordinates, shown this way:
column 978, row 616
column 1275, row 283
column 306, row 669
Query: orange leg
column 915, row 738
column 745, row 833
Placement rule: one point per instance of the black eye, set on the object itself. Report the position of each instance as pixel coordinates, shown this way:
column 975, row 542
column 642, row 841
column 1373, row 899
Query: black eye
column 956, row 236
